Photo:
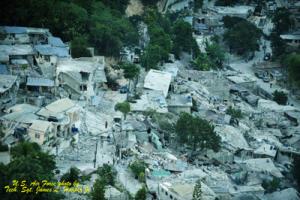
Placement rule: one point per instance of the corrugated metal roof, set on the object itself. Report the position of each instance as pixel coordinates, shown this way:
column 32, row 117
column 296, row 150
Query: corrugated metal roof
column 290, row 36
column 19, row 61
column 20, row 49
column 3, row 69
column 201, row 26
column 40, row 82
column 56, row 42
column 50, row 50
column 23, row 30
column 15, row 29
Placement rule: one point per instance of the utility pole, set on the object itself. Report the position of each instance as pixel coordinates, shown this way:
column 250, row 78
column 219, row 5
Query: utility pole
column 264, row 47
column 95, row 153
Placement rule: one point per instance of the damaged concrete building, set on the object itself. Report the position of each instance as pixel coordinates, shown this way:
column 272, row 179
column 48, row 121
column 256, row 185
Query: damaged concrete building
column 8, row 91
column 81, row 77
column 64, row 114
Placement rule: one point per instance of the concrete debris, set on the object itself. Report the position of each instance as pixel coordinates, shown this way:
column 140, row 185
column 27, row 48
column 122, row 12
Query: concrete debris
column 67, row 106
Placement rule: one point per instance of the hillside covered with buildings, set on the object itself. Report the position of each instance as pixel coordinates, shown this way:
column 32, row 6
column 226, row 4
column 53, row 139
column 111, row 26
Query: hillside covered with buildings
column 150, row 99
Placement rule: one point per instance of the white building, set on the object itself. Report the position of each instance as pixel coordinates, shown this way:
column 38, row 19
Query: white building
column 292, row 39
column 178, row 103
column 182, row 191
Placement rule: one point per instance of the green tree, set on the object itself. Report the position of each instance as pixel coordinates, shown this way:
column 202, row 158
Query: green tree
column 28, row 163
column 98, row 190
column 282, row 20
column 151, row 57
column 71, row 176
column 196, row 132
column 79, row 47
column 142, row 177
column 107, row 174
column 149, row 2
column 3, row 179
column 271, row 186
column 160, row 38
column 182, row 37
column 33, row 152
column 166, row 127
column 278, row 45
column 109, row 31
column 183, row 127
column 137, row 167
column 195, row 105
column 153, row 18
column 119, row 5
column 130, row 70
column 198, row 5
column 202, row 62
column 106, row 42
column 3, row 146
column 215, row 53
column 195, row 49
column 243, row 38
column 123, row 107
column 225, row 2
column 2, row 36
column 280, row 97
column 25, row 149
column 141, row 194
column 215, row 39
column 2, row 133
column 292, row 63
column 197, row 194
column 230, row 22
column 160, row 41
column 235, row 113
column 295, row 170
column 86, row 4
column 74, row 20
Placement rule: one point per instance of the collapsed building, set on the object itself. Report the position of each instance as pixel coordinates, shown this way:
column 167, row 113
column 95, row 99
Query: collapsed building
column 81, row 77
column 9, row 86
column 257, row 148
column 42, row 125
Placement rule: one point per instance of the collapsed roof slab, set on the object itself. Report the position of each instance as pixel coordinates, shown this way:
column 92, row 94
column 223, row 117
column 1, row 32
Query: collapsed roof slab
column 6, row 82
column 158, row 80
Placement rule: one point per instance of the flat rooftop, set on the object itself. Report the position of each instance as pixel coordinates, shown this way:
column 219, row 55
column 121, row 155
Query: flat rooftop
column 158, row 80
column 6, row 82
column 18, row 50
